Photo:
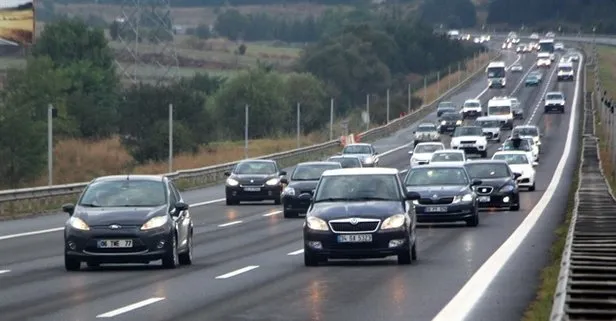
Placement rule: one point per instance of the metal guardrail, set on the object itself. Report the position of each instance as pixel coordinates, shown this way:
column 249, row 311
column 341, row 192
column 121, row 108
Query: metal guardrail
column 41, row 199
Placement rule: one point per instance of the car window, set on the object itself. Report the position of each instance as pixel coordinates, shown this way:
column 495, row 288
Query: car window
column 428, row 148
column 346, row 162
column 125, row 193
column 487, row 123
column 468, row 131
column 525, row 131
column 311, row 172
column 447, row 157
column 451, row 116
column 512, row 159
column 445, row 104
column 553, row 96
column 255, row 168
column 357, row 149
column 487, row 170
column 436, row 176
column 524, row 145
column 426, row 128
column 358, row 188
column 471, row 104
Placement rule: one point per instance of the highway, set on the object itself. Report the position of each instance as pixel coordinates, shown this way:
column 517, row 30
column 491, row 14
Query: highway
column 247, row 262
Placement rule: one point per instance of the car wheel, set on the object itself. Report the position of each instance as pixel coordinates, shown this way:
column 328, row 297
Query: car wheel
column 532, row 188
column 473, row 221
column 310, row 258
column 484, row 154
column 289, row 214
column 414, row 251
column 93, row 264
column 232, row 201
column 186, row 257
column 515, row 207
column 71, row 263
column 171, row 257
column 404, row 258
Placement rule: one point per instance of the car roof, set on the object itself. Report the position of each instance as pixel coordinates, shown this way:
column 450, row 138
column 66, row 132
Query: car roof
column 487, row 161
column 468, row 126
column 257, row 161
column 129, row 177
column 526, row 126
column 358, row 144
column 439, row 165
column 318, row 163
column 429, row 143
column 344, row 156
column 516, row 152
column 426, row 124
column 450, row 150
column 494, row 118
column 361, row 171
column 554, row 93
column 472, row 101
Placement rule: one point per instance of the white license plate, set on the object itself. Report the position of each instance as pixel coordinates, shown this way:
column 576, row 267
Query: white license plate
column 252, row 189
column 484, row 199
column 436, row 209
column 114, row 244
column 467, row 145
column 355, row 238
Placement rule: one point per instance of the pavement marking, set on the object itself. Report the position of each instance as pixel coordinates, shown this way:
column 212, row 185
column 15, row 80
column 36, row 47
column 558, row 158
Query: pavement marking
column 129, row 308
column 237, row 272
column 272, row 213
column 4, row 271
column 230, row 223
column 207, row 202
column 12, row 236
column 465, row 300
column 296, row 252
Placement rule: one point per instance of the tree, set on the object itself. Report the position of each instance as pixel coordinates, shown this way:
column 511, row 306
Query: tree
column 451, row 13
column 309, row 91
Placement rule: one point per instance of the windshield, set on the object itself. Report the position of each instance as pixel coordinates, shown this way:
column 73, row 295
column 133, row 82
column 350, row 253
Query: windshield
column 311, row 172
column 525, row 131
column 447, row 157
column 496, row 72
column 547, row 46
column 487, row 170
column 499, row 110
column 346, row 162
column 451, row 116
column 357, row 149
column 524, row 145
column 532, row 77
column 255, row 168
column 426, row 128
column 471, row 104
column 488, row 123
column 468, row 131
column 554, row 96
column 565, row 69
column 446, row 104
column 125, row 193
column 358, row 188
column 512, row 159
column 428, row 148
column 436, row 176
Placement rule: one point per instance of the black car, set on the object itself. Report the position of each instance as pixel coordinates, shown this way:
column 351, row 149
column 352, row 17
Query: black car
column 360, row 213
column 498, row 187
column 303, row 180
column 445, row 107
column 449, row 122
column 254, row 180
column 128, row 219
column 446, row 194
column 347, row 161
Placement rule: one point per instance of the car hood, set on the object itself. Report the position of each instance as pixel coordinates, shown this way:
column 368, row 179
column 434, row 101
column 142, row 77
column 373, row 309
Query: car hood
column 461, row 138
column 497, row 183
column 303, row 186
column 253, row 179
column 490, row 129
column 360, row 156
column 368, row 209
column 422, row 156
column 521, row 168
column 439, row 191
column 124, row 216
column 447, row 163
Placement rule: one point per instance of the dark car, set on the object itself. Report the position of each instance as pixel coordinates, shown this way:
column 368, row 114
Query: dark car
column 254, row 180
column 360, row 213
column 128, row 219
column 449, row 122
column 445, row 107
column 446, row 194
column 498, row 187
column 303, row 180
column 346, row 161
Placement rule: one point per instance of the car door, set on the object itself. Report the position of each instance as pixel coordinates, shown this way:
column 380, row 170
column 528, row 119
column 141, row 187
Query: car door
column 408, row 206
column 182, row 219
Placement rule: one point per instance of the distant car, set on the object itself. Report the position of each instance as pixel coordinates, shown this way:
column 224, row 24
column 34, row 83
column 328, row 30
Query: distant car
column 471, row 140
column 559, row 46
column 360, row 213
column 532, row 80
column 471, row 108
column 534, row 36
column 128, row 219
column 520, row 49
column 445, row 107
column 531, row 131
column 554, row 100
column 575, row 57
column 498, row 188
column 426, row 132
column 422, row 153
column 365, row 152
column 550, row 34
column 254, row 180
column 300, row 185
column 346, row 161
column 449, row 122
column 516, row 68
column 521, row 164
column 490, row 126
column 448, row 156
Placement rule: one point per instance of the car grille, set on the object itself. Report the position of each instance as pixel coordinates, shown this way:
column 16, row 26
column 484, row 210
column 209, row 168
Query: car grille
column 442, row 200
column 488, row 135
column 467, row 142
column 484, row 190
column 361, row 225
column 306, row 192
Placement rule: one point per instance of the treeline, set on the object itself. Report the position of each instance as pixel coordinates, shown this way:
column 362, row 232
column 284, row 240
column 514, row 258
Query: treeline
column 203, row 3
column 570, row 15
column 449, row 13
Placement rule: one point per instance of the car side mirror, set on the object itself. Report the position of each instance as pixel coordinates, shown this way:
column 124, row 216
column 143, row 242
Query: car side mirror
column 410, row 152
column 517, row 175
column 414, row 132
column 339, row 153
column 284, row 181
column 500, row 148
column 227, row 173
column 181, row 206
column 68, row 208
column 542, row 99
column 412, row 196
column 283, row 173
column 535, row 164
column 476, row 182
column 376, row 153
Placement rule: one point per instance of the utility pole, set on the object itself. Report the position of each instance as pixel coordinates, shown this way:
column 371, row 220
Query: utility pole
column 170, row 138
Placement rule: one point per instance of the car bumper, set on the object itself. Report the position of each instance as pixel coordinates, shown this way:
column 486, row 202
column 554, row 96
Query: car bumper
column 326, row 244
column 518, row 115
column 526, row 181
column 471, row 150
column 492, row 135
column 554, row 107
column 564, row 77
column 447, row 128
column 453, row 213
column 471, row 113
column 147, row 245
column 264, row 193
column 294, row 204
column 499, row 200
column 496, row 85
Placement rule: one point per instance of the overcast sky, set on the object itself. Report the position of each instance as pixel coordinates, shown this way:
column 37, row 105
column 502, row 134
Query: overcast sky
column 12, row 3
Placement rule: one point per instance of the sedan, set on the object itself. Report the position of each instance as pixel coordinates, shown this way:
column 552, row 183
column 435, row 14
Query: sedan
column 254, row 180
column 498, row 188
column 128, row 219
column 366, row 152
column 532, row 80
column 298, row 192
column 346, row 161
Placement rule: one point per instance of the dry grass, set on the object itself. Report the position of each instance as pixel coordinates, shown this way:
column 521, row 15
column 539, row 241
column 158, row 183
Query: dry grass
column 17, row 25
column 607, row 64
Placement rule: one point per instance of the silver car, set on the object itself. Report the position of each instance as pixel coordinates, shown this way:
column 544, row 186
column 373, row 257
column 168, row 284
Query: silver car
column 426, row 132
column 490, row 126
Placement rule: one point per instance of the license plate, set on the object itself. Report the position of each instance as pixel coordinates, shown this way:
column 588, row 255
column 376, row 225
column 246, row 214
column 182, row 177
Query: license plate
column 436, row 209
column 467, row 145
column 252, row 189
column 484, row 199
column 355, row 238
column 113, row 244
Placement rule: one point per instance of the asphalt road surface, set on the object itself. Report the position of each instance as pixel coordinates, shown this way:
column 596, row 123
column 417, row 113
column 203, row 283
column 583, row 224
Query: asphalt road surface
column 248, row 262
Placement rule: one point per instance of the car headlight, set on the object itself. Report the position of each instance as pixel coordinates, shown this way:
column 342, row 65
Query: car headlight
column 289, row 191
column 459, row 122
column 507, row 188
column 463, row 198
column 443, row 122
column 79, row 224
column 272, row 181
column 232, row 182
column 368, row 160
column 317, row 224
column 394, row 221
column 155, row 222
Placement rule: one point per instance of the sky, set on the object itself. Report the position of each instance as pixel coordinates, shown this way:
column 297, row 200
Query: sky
column 12, row 3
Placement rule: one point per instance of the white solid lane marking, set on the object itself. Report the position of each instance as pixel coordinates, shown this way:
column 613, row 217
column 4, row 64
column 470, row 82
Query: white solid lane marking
column 230, row 223
column 4, row 271
column 465, row 300
column 296, row 252
column 272, row 213
column 129, row 308
column 207, row 202
column 237, row 272
column 12, row 236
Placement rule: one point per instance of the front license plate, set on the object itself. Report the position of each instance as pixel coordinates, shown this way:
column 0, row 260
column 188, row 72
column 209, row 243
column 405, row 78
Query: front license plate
column 252, row 189
column 114, row 244
column 436, row 209
column 467, row 145
column 484, row 199
column 355, row 238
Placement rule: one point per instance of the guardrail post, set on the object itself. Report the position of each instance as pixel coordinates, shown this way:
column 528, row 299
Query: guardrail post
column 438, row 83
column 387, row 105
column 425, row 92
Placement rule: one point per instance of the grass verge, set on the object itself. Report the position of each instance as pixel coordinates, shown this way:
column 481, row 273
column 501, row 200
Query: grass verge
column 607, row 61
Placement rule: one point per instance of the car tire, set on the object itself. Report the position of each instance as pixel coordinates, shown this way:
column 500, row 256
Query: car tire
column 93, row 264
column 171, row 258
column 473, row 221
column 405, row 258
column 277, row 201
column 414, row 251
column 231, row 201
column 532, row 188
column 515, row 207
column 186, row 257
column 71, row 263
column 310, row 258
column 289, row 214
column 484, row 154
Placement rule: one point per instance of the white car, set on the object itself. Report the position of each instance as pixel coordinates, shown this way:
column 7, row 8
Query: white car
column 554, row 100
column 426, row 132
column 449, row 156
column 491, row 127
column 559, row 46
column 550, row 35
column 520, row 163
column 534, row 36
column 422, row 153
column 544, row 59
column 471, row 108
column 517, row 68
column 471, row 140
column 527, row 146
column 530, row 131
